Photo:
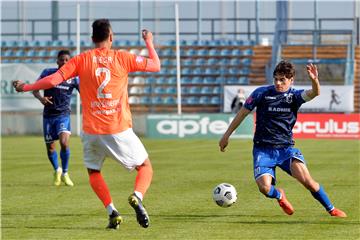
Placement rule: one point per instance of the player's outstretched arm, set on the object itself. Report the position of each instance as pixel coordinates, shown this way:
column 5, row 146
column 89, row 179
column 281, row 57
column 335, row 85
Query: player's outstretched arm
column 314, row 77
column 153, row 63
column 240, row 116
column 44, row 83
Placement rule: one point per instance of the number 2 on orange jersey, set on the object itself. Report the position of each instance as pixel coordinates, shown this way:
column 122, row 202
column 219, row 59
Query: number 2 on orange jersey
column 100, row 93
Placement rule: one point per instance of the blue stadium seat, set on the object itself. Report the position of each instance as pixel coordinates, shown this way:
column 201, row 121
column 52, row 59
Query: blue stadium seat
column 34, row 43
column 195, row 90
column 225, row 52
column 167, row 52
column 215, row 43
column 28, row 60
column 23, row 43
column 30, row 53
column 135, row 90
column 197, row 80
column 5, row 61
column 41, row 53
column 147, row 90
column 206, row 90
column 150, row 80
column 170, row 100
column 233, row 70
column 204, row 100
column 19, row 53
column 157, row 100
column 170, row 90
column 186, row 80
column 190, row 52
column 243, row 80
column 53, row 53
column 7, row 53
column 172, row 71
column 187, row 62
column 235, row 61
column 192, row 100
column 3, row 44
column 121, row 43
column 247, row 52
column 12, row 43
column 246, row 61
column 164, row 71
column 236, row 52
column 220, row 80
column 197, row 71
column 170, row 43
column 212, row 61
column 244, row 71
column 209, row 80
column 160, row 80
column 159, row 90
column 166, row 62
column 145, row 100
column 134, row 43
column 215, row 100
column 185, row 70
column 224, row 61
column 171, row 80
column 184, row 90
column 200, row 62
column 211, row 71
column 203, row 52
column 214, row 52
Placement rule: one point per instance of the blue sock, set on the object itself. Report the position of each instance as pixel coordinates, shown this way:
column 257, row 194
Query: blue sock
column 53, row 159
column 65, row 155
column 323, row 199
column 273, row 193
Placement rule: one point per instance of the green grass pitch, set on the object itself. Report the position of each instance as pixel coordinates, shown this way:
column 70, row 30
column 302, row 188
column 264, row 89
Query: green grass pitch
column 179, row 200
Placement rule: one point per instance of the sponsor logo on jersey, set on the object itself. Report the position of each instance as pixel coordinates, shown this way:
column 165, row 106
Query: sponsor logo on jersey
column 288, row 97
column 278, row 109
column 139, row 59
column 270, row 97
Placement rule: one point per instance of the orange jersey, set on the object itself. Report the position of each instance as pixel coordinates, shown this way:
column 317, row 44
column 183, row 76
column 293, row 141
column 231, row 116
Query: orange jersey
column 104, row 88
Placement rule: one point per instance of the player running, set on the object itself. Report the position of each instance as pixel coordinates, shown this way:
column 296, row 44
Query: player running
column 56, row 119
column 276, row 112
column 107, row 122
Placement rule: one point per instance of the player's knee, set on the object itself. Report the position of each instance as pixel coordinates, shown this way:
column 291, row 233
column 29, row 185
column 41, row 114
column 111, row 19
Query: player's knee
column 264, row 189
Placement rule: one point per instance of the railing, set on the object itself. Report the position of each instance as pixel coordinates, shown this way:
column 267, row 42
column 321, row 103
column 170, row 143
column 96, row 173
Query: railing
column 211, row 28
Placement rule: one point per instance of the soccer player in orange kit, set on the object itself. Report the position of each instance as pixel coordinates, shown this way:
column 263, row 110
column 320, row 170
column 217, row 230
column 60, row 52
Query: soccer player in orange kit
column 107, row 121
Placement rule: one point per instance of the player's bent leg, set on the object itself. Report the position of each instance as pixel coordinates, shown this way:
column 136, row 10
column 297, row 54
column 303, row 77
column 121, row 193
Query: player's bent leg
column 302, row 174
column 265, row 186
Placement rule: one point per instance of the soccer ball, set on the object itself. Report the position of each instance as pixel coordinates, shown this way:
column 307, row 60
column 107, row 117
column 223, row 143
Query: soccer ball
column 224, row 195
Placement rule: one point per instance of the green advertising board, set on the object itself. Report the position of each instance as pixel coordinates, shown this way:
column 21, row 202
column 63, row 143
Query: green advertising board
column 195, row 126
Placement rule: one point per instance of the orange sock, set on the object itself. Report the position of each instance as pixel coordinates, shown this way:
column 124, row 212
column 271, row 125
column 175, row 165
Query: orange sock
column 100, row 188
column 143, row 178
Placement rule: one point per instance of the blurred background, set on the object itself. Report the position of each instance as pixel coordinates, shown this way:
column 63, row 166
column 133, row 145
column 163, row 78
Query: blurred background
column 209, row 50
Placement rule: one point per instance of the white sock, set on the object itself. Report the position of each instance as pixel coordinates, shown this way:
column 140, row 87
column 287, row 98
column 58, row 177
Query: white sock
column 59, row 169
column 139, row 195
column 110, row 208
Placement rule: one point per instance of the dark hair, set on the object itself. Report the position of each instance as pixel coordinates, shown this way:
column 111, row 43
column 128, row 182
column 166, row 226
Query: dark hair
column 101, row 30
column 63, row 52
column 285, row 68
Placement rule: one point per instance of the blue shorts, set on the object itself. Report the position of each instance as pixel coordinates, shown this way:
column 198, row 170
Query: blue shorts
column 266, row 159
column 53, row 126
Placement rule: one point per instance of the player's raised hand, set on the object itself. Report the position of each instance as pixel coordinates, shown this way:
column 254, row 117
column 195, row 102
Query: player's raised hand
column 18, row 85
column 312, row 71
column 147, row 35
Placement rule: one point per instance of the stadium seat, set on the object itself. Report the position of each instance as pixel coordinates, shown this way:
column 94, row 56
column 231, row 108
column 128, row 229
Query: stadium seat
column 160, row 80
column 159, row 90
column 170, row 100
column 157, row 100
column 173, row 71
column 215, row 43
column 197, row 80
column 150, row 80
column 211, row 71
column 186, row 80
column 209, row 80
column 216, row 90
column 212, row 61
column 200, row 62
column 138, row 80
column 53, row 53
column 171, row 81
column 214, row 52
column 197, row 71
column 190, row 52
column 206, row 90
column 166, row 62
column 34, row 43
column 30, row 53
column 246, row 61
column 225, row 52
column 204, row 100
column 195, row 90
column 233, row 70
column 135, row 90
column 220, row 80
column 147, row 90
column 170, row 43
column 224, row 61
column 236, row 52
column 187, row 62
column 170, row 90
column 135, row 43
column 23, row 44
column 134, row 100
column 185, row 71
column 247, row 52
column 7, row 53
column 192, row 100
column 41, row 53
column 215, row 100
column 235, row 61
column 168, row 52
column 145, row 100
column 19, row 53
column 203, row 52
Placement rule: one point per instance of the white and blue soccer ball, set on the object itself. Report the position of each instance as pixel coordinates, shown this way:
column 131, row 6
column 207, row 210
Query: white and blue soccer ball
column 224, row 195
